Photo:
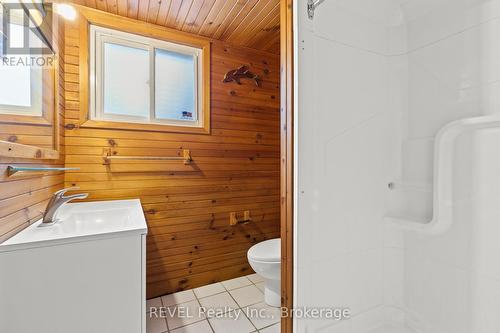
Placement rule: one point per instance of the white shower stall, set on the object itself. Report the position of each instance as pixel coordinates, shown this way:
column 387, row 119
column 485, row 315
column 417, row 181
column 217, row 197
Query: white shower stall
column 397, row 165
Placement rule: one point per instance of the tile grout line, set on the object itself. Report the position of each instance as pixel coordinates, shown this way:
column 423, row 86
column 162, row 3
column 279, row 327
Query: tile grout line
column 199, row 303
column 239, row 306
column 166, row 321
column 270, row 325
column 251, row 322
column 225, row 291
column 228, row 290
column 255, row 284
column 175, row 305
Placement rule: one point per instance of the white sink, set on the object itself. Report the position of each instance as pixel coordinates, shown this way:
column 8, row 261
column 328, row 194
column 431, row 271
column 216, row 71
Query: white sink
column 84, row 274
column 82, row 221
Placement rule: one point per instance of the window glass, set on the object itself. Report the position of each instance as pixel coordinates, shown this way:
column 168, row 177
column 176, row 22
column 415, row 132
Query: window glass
column 175, row 86
column 20, row 85
column 138, row 79
column 126, row 81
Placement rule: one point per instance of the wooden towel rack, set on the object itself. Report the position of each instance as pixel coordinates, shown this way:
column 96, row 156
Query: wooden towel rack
column 14, row 169
column 186, row 157
column 234, row 220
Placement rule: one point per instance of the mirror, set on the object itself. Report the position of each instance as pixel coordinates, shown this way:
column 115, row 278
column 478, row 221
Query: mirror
column 29, row 81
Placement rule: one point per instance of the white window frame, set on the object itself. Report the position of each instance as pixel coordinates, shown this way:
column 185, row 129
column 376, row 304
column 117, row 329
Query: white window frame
column 100, row 35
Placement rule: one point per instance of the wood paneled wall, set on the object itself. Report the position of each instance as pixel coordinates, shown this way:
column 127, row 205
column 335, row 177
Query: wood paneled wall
column 23, row 198
column 235, row 168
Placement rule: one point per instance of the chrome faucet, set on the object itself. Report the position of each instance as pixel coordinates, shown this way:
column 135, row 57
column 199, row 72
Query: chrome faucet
column 58, row 200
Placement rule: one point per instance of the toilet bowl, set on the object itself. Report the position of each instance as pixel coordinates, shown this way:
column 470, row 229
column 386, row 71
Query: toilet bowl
column 265, row 259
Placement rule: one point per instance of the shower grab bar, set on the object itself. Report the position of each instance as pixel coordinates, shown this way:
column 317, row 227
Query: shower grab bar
column 442, row 218
column 311, row 7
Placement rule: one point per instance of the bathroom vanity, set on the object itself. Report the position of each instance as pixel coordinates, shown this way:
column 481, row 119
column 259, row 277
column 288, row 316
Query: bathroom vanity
column 84, row 274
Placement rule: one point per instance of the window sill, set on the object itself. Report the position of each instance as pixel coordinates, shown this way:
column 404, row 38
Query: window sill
column 103, row 124
column 25, row 119
column 17, row 150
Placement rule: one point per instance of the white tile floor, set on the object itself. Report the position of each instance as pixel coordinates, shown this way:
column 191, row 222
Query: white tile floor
column 238, row 306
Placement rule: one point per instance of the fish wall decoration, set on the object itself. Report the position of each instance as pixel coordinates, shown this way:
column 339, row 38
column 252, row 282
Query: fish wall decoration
column 235, row 75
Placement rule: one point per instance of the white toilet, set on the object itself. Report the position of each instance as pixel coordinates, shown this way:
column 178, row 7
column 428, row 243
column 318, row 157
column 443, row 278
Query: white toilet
column 265, row 259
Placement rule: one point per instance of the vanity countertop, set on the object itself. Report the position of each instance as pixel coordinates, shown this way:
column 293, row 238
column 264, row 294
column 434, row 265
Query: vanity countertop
column 81, row 222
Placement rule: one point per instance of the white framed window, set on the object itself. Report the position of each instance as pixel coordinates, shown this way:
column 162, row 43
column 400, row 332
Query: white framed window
column 138, row 79
column 21, row 83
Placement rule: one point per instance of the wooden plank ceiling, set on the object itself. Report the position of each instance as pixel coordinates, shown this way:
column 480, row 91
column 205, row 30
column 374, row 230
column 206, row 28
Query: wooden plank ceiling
column 249, row 23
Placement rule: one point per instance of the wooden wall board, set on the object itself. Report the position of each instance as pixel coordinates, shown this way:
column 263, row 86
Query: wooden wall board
column 235, row 168
column 23, row 198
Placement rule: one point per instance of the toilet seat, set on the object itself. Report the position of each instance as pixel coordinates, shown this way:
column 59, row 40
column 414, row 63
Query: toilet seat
column 267, row 251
